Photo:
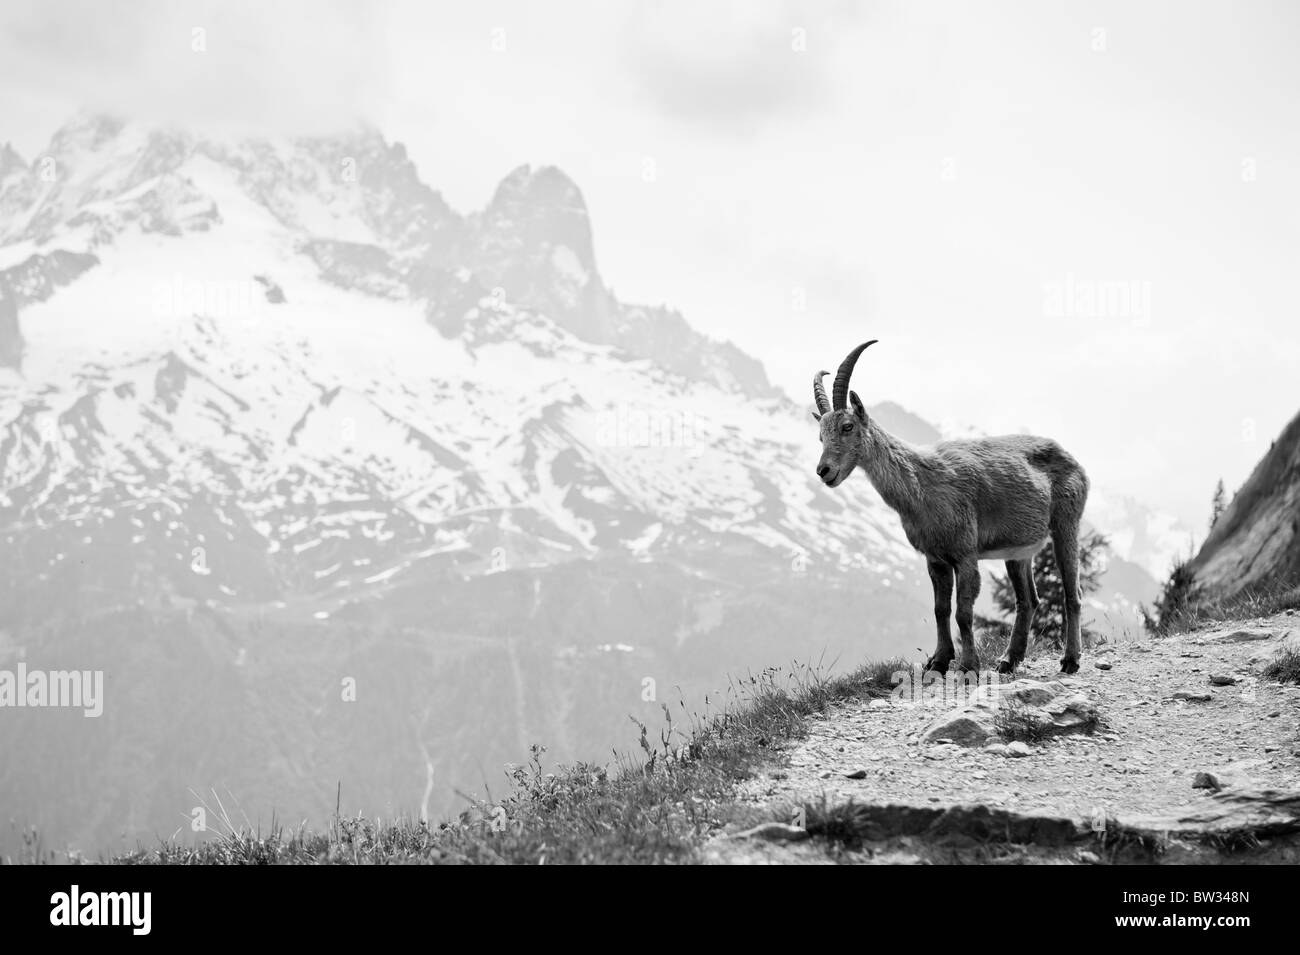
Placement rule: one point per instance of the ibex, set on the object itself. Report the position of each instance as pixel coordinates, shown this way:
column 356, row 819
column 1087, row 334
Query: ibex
column 961, row 502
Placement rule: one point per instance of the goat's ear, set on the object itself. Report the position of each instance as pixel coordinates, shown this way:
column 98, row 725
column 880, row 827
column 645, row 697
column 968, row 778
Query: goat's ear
column 858, row 410
column 816, row 416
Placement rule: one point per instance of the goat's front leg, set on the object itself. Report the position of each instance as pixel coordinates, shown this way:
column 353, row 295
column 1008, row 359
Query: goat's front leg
column 941, row 577
column 968, row 588
column 1066, row 546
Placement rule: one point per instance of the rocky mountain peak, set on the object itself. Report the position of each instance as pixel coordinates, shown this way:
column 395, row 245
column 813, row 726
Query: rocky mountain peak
column 10, row 161
column 534, row 242
column 541, row 211
column 86, row 131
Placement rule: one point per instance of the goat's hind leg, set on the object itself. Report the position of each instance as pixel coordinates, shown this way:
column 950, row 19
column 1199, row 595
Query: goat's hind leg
column 968, row 588
column 1021, row 575
column 941, row 578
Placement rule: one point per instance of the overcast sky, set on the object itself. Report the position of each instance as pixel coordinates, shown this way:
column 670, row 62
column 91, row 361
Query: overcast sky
column 1078, row 219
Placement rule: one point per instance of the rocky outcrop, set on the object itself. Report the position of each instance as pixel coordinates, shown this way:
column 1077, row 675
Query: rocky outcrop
column 1231, row 825
column 1230, row 816
column 39, row 276
column 34, row 279
column 11, row 339
column 1039, row 708
column 1255, row 544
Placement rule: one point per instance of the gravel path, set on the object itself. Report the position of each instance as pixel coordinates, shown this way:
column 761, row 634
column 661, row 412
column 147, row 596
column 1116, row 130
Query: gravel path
column 1141, row 763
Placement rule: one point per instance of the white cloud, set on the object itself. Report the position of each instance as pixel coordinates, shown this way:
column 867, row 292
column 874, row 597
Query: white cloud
column 292, row 66
column 921, row 173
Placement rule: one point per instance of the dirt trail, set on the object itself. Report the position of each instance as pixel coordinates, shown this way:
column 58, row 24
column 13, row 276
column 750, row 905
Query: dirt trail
column 1135, row 774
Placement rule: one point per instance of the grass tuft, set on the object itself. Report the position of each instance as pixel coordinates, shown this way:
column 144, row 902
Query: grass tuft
column 847, row 824
column 1016, row 723
column 1183, row 607
column 1284, row 668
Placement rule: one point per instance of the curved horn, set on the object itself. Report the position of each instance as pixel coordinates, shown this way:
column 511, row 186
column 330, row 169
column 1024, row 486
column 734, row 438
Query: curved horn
column 840, row 389
column 819, row 393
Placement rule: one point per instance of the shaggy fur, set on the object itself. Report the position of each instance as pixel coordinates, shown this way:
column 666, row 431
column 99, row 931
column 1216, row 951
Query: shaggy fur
column 964, row 501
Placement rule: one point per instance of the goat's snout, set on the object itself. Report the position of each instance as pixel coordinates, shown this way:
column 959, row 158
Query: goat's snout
column 823, row 470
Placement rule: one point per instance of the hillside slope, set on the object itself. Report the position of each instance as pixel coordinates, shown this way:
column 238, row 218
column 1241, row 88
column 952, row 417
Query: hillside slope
column 1255, row 544
column 1186, row 752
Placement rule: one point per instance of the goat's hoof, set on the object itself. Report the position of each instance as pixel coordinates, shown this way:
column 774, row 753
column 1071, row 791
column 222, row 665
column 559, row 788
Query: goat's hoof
column 969, row 666
column 1007, row 666
column 937, row 666
column 1069, row 665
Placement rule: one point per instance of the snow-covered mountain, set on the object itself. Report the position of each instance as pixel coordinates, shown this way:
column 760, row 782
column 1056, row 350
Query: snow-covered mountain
column 279, row 326
column 265, row 403
column 274, row 417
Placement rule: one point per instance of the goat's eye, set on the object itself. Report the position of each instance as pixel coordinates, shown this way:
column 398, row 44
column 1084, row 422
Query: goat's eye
column 846, row 427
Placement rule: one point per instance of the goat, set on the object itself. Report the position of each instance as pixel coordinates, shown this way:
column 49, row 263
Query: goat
column 961, row 502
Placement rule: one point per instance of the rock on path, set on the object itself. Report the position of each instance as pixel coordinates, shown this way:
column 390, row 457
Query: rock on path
column 1047, row 708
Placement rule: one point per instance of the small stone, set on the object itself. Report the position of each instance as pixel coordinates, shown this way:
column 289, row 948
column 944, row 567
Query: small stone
column 774, row 832
column 1275, row 714
column 1222, row 679
column 1206, row 781
column 1102, row 665
column 856, row 774
column 1192, row 697
column 1243, row 635
column 1018, row 749
column 997, row 749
